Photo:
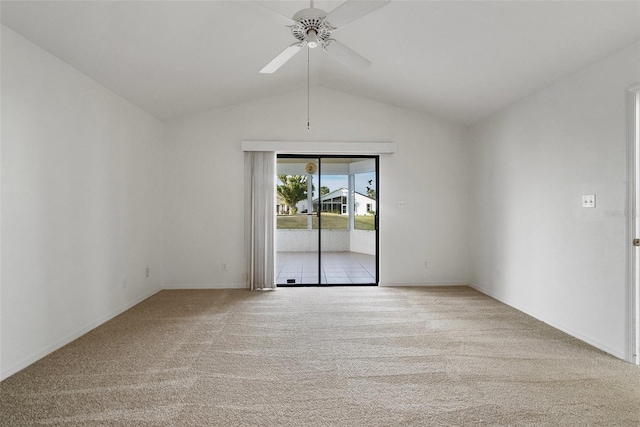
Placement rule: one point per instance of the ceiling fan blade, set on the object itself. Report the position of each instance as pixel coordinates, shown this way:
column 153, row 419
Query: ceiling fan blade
column 279, row 60
column 283, row 19
column 351, row 10
column 347, row 56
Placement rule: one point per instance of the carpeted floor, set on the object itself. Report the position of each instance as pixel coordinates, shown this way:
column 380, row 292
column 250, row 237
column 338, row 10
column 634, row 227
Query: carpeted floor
column 354, row 356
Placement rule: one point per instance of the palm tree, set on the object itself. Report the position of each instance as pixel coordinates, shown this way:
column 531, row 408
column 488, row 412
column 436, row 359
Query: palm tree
column 292, row 190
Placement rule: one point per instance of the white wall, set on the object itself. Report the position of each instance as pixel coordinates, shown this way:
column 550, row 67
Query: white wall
column 531, row 163
column 81, row 203
column 363, row 241
column 333, row 240
column 204, row 186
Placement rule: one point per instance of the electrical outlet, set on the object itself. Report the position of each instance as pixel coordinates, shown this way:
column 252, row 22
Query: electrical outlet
column 146, row 272
column 224, row 266
column 426, row 264
column 499, row 274
column 401, row 204
column 589, row 201
column 124, row 284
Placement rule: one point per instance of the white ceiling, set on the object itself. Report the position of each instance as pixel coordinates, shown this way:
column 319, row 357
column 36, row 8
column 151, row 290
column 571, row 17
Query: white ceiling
column 457, row 60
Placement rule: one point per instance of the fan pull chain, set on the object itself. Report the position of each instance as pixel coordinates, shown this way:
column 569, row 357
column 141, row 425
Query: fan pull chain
column 308, row 91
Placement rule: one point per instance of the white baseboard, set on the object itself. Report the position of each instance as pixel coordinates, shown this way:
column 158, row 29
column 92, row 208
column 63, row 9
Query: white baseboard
column 423, row 284
column 204, row 286
column 582, row 337
column 73, row 336
column 174, row 286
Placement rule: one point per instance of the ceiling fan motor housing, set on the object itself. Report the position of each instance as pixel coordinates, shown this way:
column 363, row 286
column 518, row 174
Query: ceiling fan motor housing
column 312, row 20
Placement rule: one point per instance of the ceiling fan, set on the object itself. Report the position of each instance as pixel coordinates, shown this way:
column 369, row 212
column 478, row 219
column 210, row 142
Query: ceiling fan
column 313, row 27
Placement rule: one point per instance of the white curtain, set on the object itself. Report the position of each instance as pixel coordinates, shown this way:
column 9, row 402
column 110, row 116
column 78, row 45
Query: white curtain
column 260, row 218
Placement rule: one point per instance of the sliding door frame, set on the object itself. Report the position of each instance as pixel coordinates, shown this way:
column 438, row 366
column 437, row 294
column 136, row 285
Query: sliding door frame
column 319, row 157
column 633, row 225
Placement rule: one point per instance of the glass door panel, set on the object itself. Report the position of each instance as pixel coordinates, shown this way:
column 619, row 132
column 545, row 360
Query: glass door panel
column 297, row 238
column 348, row 241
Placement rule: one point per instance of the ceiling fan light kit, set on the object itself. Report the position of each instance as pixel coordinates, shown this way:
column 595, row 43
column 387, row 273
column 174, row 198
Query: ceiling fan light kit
column 311, row 28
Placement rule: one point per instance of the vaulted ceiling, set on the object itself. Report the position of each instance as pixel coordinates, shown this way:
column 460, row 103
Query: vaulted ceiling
column 452, row 59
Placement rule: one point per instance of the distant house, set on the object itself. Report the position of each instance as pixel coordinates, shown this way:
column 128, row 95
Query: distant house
column 336, row 202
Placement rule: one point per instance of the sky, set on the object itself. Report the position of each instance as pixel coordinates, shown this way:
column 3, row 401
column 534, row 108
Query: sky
column 335, row 182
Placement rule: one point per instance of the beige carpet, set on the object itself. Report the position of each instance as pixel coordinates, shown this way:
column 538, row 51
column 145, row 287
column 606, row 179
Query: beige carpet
column 324, row 357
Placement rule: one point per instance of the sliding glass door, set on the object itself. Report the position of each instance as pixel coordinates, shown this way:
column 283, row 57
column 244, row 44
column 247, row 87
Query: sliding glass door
column 327, row 220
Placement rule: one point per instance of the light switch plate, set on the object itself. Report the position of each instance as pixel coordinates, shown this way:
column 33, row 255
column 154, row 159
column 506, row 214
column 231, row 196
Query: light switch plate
column 589, row 201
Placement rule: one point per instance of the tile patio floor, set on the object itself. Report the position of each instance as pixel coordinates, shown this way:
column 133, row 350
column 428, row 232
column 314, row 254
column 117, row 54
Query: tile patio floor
column 338, row 268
